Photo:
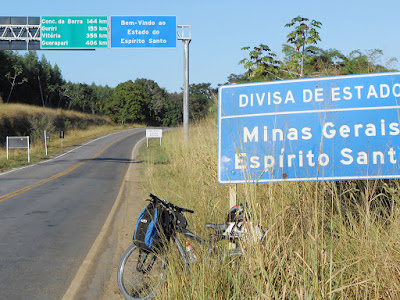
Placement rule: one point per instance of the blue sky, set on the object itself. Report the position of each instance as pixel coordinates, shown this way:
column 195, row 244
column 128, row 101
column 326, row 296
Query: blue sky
column 220, row 29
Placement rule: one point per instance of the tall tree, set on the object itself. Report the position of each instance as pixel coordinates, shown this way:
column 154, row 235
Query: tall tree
column 156, row 100
column 303, row 38
column 101, row 94
column 14, row 80
column 174, row 109
column 32, row 72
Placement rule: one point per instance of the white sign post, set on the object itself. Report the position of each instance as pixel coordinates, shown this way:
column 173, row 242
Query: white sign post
column 46, row 137
column 153, row 133
column 45, row 141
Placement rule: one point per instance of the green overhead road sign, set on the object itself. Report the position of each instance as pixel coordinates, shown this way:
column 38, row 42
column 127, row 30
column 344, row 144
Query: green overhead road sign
column 74, row 32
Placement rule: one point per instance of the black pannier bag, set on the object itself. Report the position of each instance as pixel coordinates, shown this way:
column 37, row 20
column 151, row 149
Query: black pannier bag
column 151, row 227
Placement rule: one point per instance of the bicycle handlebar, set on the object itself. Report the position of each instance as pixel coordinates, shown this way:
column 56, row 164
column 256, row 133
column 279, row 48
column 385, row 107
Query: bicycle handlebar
column 169, row 205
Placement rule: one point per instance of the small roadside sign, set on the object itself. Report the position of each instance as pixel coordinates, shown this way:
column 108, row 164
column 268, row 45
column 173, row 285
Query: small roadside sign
column 61, row 137
column 17, row 142
column 153, row 133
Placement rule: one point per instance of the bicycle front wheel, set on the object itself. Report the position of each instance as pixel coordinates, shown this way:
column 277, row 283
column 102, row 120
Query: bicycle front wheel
column 140, row 274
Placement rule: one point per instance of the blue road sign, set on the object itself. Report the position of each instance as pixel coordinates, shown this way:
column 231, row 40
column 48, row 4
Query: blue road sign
column 331, row 128
column 143, row 31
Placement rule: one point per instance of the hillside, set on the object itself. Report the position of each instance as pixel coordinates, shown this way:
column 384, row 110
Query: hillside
column 22, row 120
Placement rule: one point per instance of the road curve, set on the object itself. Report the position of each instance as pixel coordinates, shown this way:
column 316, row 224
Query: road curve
column 52, row 212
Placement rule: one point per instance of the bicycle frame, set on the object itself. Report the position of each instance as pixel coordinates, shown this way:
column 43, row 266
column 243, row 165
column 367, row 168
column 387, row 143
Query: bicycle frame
column 148, row 261
column 178, row 244
column 232, row 230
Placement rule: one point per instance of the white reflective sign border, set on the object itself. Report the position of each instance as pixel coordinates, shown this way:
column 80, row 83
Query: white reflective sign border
column 143, row 31
column 331, row 128
column 17, row 142
column 154, row 133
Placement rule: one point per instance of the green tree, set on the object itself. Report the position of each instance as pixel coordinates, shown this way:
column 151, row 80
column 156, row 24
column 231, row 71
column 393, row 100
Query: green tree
column 32, row 72
column 129, row 103
column 156, row 100
column 261, row 64
column 88, row 99
column 77, row 96
column 200, row 100
column 358, row 62
column 303, row 38
column 234, row 78
column 51, row 91
column 174, row 110
column 101, row 94
column 326, row 63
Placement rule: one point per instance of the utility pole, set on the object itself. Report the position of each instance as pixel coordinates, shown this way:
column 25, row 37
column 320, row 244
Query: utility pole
column 185, row 36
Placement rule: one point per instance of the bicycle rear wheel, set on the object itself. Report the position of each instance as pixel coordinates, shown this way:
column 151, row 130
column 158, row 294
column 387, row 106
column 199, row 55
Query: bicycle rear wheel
column 140, row 274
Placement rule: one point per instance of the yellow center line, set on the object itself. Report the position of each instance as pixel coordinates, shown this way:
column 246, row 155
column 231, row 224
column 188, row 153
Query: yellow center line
column 58, row 175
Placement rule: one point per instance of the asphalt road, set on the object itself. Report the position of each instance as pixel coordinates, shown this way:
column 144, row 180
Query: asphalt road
column 51, row 213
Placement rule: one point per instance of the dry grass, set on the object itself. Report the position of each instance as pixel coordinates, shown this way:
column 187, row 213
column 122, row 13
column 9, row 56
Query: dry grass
column 7, row 110
column 22, row 120
column 325, row 240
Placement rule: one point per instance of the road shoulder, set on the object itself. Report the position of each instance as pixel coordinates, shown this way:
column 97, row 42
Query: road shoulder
column 96, row 278
column 124, row 227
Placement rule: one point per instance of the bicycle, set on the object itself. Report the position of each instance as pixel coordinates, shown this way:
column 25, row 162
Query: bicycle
column 142, row 272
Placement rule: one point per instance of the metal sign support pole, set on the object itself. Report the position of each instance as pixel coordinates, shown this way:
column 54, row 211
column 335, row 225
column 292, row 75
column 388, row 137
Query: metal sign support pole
column 186, row 41
column 232, row 203
column 186, row 90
